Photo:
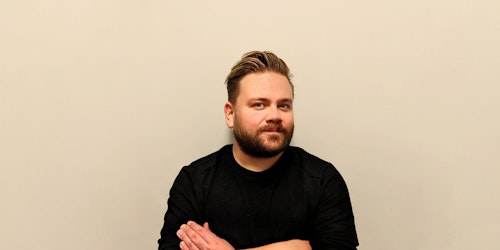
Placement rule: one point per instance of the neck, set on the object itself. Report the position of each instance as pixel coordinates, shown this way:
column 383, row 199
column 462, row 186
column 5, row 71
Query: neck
column 253, row 163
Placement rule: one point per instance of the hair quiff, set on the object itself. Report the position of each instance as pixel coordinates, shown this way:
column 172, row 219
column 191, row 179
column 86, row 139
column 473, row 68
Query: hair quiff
column 254, row 62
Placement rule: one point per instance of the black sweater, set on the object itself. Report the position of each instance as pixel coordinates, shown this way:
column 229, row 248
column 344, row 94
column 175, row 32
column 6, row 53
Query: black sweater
column 300, row 197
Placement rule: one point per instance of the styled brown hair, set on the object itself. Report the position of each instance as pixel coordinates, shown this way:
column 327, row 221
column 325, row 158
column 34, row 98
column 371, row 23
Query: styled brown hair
column 254, row 62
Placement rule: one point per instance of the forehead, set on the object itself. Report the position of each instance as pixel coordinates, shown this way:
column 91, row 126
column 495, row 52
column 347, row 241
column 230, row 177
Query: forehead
column 269, row 85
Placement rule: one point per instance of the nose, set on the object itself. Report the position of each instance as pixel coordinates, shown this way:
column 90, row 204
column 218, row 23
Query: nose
column 273, row 115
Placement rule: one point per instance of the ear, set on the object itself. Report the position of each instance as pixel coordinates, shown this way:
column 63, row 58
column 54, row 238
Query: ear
column 229, row 113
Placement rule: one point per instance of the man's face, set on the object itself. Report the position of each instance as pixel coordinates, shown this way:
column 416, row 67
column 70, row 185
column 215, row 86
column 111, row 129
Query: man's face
column 262, row 117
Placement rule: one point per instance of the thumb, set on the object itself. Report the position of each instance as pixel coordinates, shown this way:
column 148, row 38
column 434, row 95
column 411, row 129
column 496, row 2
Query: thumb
column 205, row 225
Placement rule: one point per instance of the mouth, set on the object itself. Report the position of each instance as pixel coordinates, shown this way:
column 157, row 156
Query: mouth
column 273, row 130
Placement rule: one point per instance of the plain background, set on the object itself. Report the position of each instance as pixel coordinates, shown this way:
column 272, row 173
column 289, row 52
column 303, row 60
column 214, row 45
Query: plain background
column 102, row 102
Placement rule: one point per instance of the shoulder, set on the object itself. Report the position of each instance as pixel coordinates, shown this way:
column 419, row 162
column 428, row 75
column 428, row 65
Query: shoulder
column 303, row 155
column 205, row 164
column 311, row 164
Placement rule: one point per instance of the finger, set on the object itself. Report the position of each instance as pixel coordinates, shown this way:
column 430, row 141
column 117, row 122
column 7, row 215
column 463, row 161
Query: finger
column 202, row 231
column 183, row 246
column 186, row 245
column 182, row 236
column 186, row 240
column 193, row 237
column 195, row 226
column 181, row 233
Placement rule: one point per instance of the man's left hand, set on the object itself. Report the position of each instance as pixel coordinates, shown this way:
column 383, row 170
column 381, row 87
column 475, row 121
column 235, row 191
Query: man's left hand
column 196, row 237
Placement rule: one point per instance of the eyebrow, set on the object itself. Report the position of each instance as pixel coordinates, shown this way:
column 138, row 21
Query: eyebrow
column 286, row 100
column 266, row 99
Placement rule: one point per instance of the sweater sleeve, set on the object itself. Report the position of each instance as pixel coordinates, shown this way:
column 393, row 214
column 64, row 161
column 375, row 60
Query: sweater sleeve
column 182, row 206
column 333, row 226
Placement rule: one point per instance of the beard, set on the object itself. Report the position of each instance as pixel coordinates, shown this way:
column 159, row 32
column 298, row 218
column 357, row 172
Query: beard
column 254, row 143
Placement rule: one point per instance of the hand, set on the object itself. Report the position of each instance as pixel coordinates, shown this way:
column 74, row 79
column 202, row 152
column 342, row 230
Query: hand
column 196, row 237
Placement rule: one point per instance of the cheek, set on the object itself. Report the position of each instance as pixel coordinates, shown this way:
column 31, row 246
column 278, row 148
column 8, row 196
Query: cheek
column 254, row 122
column 288, row 120
column 252, row 119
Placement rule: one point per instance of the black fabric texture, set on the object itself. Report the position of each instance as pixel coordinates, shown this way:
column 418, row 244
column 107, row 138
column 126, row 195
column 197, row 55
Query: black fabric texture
column 300, row 197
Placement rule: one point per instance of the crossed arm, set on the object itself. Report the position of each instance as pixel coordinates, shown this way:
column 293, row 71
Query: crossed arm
column 196, row 237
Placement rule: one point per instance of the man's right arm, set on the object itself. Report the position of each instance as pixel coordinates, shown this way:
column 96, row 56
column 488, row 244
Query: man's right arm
column 182, row 206
column 286, row 245
column 194, row 236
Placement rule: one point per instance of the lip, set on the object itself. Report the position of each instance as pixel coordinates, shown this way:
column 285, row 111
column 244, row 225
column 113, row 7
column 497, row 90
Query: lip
column 272, row 131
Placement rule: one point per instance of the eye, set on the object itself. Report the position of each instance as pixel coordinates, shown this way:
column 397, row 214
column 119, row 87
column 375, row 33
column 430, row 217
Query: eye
column 258, row 105
column 285, row 106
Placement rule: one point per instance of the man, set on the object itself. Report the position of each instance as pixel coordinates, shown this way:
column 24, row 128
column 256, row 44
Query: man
column 259, row 192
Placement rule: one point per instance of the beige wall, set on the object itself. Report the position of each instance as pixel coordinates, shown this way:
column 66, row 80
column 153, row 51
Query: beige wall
column 102, row 102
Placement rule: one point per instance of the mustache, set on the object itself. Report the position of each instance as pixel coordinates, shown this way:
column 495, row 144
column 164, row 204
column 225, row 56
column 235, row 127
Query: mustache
column 277, row 127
